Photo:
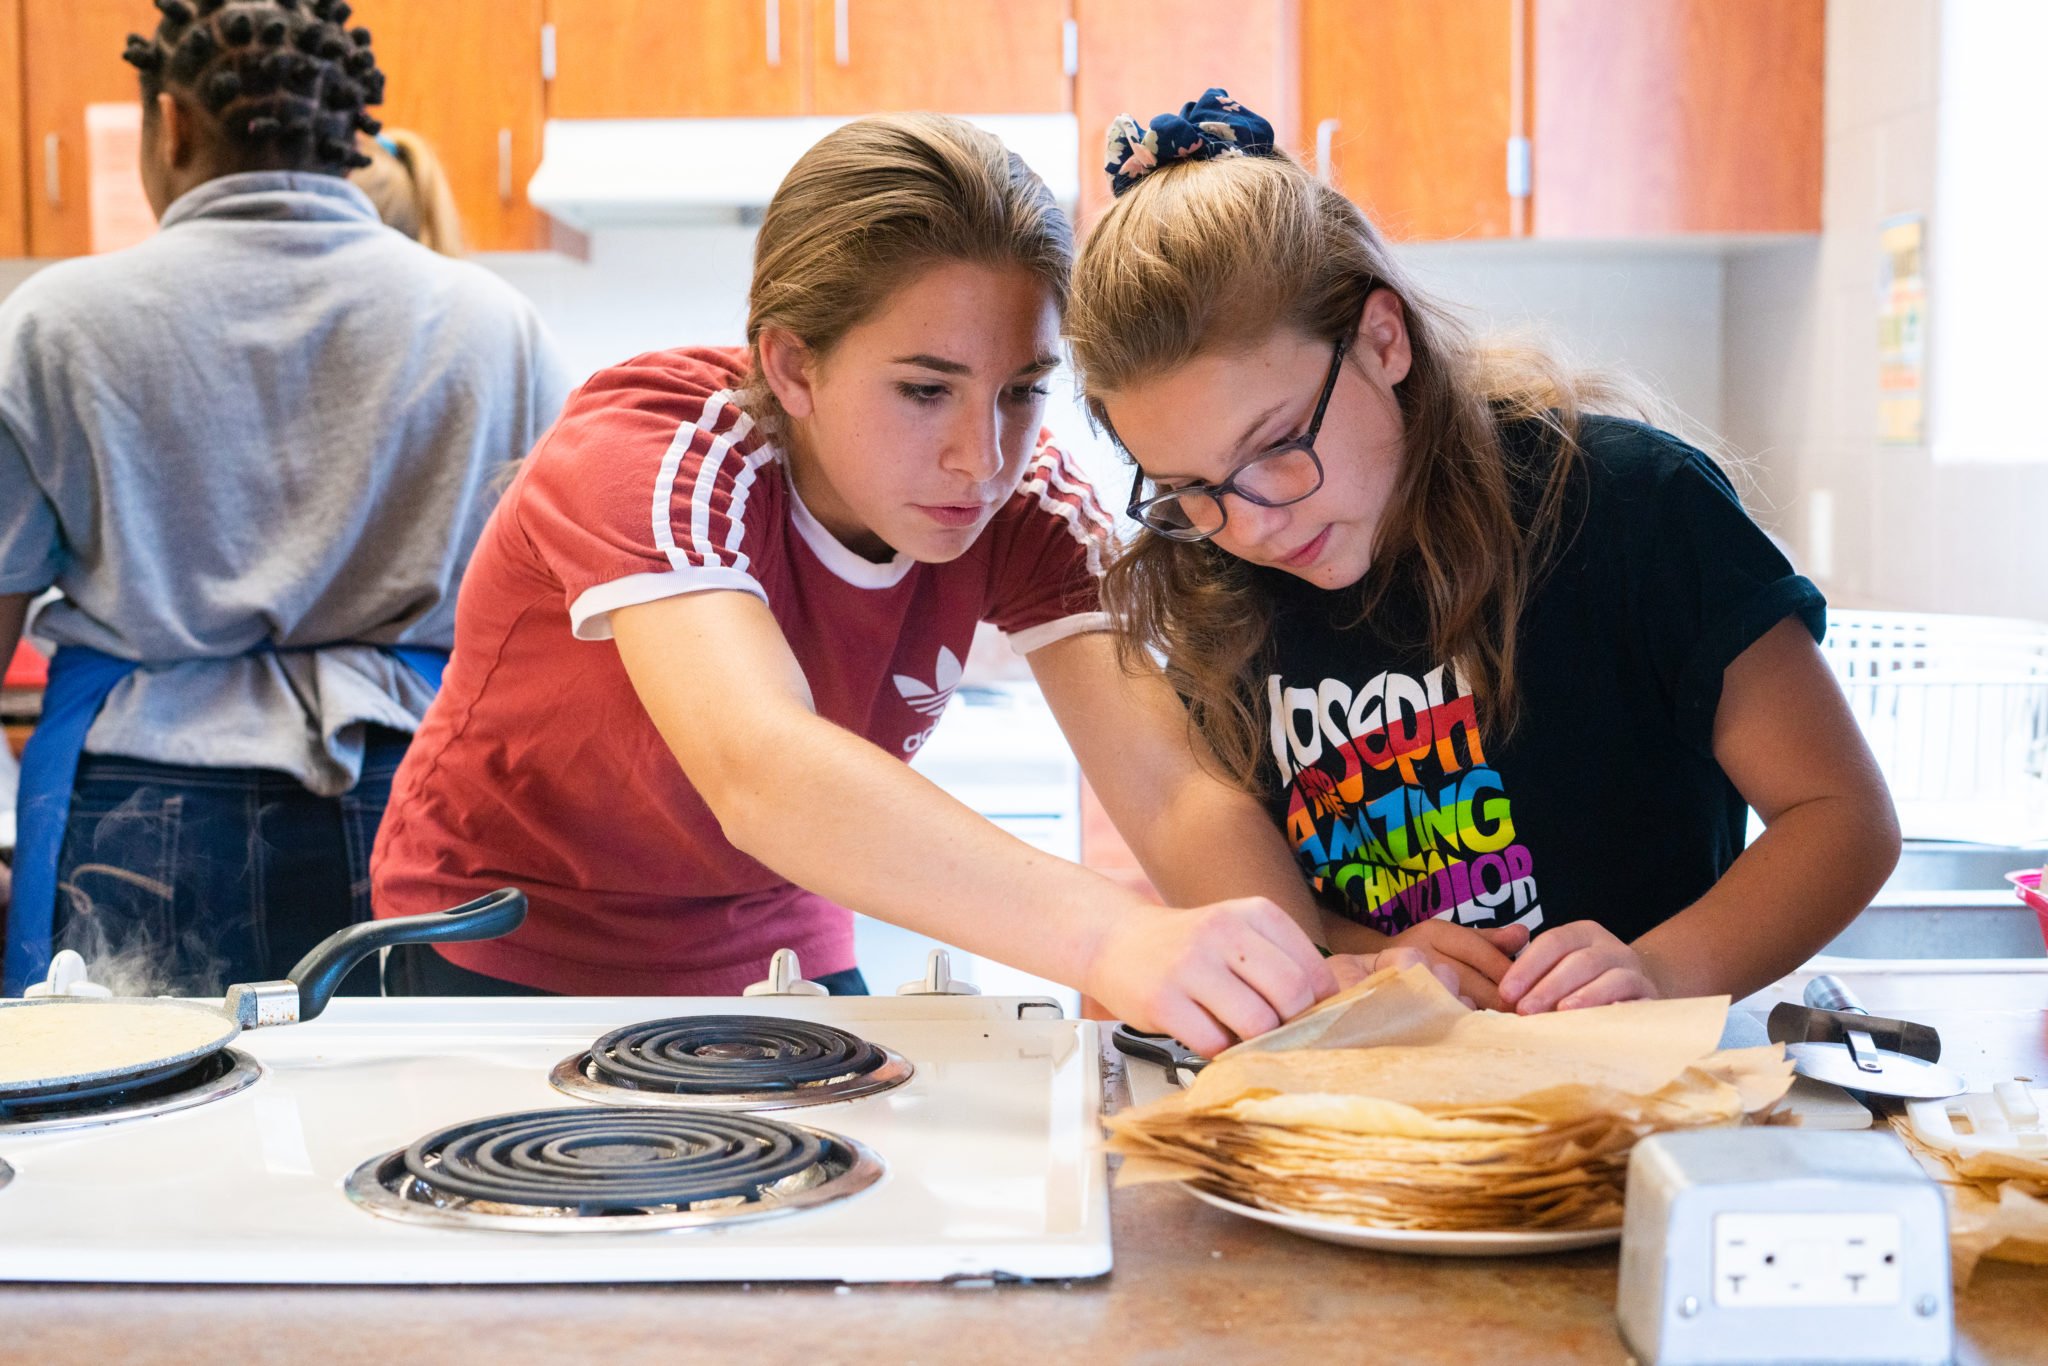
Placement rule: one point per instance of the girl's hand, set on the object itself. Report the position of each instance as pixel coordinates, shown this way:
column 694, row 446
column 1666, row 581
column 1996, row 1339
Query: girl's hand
column 1353, row 968
column 1208, row 976
column 1480, row 959
column 1577, row 964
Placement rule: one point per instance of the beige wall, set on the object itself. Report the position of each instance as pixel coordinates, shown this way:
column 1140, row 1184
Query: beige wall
column 1800, row 360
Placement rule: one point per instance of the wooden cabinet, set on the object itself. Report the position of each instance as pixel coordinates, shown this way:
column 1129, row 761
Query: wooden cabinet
column 72, row 58
column 644, row 59
column 13, row 164
column 1676, row 116
column 1443, row 118
column 1406, row 107
column 1246, row 46
column 1641, row 117
column 961, row 56
column 468, row 77
column 652, row 59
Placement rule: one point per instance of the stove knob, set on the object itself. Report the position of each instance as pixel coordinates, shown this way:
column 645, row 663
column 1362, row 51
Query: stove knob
column 938, row 979
column 785, row 978
column 67, row 978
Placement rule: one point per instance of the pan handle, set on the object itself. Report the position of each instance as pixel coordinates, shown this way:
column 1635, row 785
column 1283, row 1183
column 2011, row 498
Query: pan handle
column 318, row 975
column 1829, row 992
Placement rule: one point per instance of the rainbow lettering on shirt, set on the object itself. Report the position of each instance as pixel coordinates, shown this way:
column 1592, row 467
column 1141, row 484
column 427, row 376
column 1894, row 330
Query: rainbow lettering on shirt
column 1392, row 805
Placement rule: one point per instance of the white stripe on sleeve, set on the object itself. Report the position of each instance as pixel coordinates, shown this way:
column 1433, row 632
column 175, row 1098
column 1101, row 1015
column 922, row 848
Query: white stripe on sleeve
column 665, row 484
column 590, row 616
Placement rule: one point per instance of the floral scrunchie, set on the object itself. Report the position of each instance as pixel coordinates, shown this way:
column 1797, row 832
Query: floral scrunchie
column 1214, row 125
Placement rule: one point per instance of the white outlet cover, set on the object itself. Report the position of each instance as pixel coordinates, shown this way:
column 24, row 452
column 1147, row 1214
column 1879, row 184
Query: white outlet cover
column 1808, row 1260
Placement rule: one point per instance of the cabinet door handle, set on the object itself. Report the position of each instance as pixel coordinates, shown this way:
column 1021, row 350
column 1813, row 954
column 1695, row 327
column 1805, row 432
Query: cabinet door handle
column 1326, row 137
column 842, row 38
column 774, row 27
column 53, row 170
column 505, row 165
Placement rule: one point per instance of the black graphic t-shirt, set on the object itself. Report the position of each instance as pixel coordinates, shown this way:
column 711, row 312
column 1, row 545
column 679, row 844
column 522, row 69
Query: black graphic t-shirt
column 1605, row 802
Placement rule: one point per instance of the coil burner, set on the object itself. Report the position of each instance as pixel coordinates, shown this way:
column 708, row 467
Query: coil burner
column 609, row 1169
column 734, row 1062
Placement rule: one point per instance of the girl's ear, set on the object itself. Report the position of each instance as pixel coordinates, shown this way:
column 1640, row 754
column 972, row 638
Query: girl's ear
column 176, row 138
column 1383, row 332
column 787, row 365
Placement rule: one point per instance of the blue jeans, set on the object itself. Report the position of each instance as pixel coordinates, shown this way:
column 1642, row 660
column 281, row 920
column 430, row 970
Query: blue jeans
column 185, row 880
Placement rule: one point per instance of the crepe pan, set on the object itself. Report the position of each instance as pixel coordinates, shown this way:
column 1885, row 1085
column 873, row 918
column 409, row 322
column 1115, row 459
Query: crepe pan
column 301, row 996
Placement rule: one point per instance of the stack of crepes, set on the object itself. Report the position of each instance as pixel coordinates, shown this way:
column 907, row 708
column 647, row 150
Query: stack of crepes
column 1396, row 1106
column 1997, row 1202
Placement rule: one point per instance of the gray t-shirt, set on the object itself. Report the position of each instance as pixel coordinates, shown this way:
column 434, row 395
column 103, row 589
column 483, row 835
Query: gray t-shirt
column 249, row 449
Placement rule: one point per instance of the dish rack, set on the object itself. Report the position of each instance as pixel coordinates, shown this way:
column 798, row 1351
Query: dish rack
column 1956, row 710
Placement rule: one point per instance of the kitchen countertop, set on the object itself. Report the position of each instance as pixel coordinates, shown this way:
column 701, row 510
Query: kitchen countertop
column 1190, row 1283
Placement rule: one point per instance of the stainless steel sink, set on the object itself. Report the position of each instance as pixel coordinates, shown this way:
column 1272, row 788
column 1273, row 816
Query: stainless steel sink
column 1948, row 901
column 1935, row 865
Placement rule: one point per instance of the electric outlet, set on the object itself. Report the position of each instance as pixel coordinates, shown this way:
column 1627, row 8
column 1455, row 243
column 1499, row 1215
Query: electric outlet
column 1806, row 1260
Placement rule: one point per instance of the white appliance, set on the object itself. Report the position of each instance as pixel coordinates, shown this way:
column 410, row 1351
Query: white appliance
column 969, row 1151
column 603, row 173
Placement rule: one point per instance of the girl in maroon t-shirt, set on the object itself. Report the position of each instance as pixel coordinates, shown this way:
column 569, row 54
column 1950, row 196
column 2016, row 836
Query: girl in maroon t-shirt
column 728, row 594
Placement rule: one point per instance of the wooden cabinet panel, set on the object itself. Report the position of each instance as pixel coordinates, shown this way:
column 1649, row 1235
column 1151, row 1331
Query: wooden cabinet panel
column 468, row 77
column 960, row 56
column 1674, row 116
column 71, row 53
column 1246, row 46
column 653, row 59
column 13, row 164
column 1419, row 94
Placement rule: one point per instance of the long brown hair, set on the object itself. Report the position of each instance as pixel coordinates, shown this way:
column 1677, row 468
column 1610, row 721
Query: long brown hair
column 1213, row 255
column 410, row 189
column 874, row 202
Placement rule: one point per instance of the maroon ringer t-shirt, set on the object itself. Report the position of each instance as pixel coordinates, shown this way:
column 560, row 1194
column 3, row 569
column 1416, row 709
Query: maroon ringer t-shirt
column 537, row 766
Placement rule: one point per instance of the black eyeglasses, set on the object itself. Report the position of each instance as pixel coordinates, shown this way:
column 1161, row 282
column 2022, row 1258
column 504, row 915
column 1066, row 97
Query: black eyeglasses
column 1274, row 478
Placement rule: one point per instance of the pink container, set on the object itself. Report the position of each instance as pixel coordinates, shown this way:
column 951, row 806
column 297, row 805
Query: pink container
column 2027, row 882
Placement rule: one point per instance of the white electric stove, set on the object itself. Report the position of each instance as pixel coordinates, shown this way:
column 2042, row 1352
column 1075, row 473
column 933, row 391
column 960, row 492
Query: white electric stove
column 905, row 1138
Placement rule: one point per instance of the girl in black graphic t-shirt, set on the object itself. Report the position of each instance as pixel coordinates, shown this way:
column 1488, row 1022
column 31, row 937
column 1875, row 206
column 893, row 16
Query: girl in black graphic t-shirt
column 1499, row 667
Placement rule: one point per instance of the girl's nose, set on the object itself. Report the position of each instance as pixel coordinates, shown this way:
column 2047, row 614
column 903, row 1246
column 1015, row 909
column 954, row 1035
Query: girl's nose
column 1251, row 525
column 976, row 449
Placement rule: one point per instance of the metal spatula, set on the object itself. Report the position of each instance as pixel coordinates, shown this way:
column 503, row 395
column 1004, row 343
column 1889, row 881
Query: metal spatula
column 1832, row 1038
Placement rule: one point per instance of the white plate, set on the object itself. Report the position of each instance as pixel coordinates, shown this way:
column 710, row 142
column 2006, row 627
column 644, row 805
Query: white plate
column 1420, row 1241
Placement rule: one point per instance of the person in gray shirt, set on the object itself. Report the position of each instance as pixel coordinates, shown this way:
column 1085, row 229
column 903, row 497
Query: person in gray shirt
column 252, row 455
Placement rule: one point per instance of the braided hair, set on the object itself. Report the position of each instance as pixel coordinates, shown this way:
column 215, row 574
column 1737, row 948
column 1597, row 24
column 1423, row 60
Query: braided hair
column 286, row 80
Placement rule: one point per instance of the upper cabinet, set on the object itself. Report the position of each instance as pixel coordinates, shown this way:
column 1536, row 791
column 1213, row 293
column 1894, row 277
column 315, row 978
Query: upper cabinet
column 1246, row 46
column 1407, row 107
column 1677, row 116
column 1568, row 118
column 870, row 56
column 468, row 77
column 652, row 59
column 1443, row 118
column 13, row 167
column 658, row 59
column 74, row 61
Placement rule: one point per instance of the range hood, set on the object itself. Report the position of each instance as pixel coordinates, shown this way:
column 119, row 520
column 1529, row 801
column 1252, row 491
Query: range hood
column 598, row 173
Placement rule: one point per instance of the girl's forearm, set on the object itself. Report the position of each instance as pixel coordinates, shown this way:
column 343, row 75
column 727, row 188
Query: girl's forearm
column 1804, row 879
column 1207, row 843
column 874, row 835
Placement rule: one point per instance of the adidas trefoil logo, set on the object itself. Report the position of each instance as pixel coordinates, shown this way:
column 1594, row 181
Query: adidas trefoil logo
column 930, row 699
